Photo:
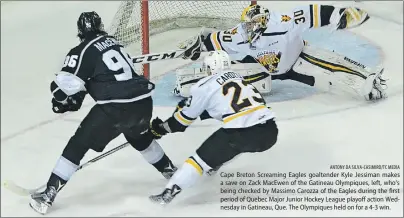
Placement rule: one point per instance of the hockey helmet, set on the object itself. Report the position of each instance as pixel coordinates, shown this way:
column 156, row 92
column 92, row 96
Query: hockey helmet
column 216, row 61
column 89, row 25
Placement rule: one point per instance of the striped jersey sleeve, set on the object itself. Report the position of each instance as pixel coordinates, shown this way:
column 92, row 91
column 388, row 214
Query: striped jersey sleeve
column 314, row 15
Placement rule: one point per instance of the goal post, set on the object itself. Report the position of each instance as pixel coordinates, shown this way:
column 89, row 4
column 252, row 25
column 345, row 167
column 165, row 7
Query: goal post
column 145, row 35
column 136, row 22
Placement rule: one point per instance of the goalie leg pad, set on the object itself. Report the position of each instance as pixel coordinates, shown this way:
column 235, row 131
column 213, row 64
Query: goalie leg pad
column 252, row 73
column 186, row 78
column 341, row 70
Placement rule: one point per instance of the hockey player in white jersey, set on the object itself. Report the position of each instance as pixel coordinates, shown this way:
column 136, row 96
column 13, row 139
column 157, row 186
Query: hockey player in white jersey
column 275, row 41
column 225, row 96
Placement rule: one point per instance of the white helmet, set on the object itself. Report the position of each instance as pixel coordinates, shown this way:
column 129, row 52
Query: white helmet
column 216, row 61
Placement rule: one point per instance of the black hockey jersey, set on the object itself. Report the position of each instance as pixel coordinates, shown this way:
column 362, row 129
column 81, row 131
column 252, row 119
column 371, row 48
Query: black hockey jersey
column 102, row 68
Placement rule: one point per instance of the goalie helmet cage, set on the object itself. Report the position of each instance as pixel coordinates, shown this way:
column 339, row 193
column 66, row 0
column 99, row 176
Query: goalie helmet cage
column 136, row 21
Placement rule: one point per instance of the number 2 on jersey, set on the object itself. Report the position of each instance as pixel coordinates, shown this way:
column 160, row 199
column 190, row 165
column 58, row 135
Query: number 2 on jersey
column 237, row 104
column 119, row 60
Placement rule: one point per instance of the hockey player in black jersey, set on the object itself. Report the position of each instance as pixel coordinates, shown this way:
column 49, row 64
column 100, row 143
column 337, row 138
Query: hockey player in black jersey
column 100, row 67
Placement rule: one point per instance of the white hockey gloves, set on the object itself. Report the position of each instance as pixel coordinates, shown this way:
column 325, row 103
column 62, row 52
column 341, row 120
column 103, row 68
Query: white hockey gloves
column 352, row 17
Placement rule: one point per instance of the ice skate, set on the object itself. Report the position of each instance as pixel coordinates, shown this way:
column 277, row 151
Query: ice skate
column 169, row 170
column 167, row 196
column 42, row 201
column 375, row 87
column 213, row 171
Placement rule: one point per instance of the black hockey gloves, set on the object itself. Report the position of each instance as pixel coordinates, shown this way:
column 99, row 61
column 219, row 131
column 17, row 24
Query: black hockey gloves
column 73, row 103
column 157, row 129
column 181, row 104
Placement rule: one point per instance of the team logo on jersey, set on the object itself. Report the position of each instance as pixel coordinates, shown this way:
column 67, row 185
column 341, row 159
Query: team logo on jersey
column 285, row 18
column 270, row 60
column 233, row 31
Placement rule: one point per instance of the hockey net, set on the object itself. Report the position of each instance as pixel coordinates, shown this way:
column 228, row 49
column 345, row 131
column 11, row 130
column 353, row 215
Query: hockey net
column 136, row 22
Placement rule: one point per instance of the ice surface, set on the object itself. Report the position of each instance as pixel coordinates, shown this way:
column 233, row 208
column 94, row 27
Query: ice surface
column 316, row 129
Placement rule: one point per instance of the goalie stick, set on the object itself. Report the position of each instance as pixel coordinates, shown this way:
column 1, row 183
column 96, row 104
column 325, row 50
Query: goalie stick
column 10, row 185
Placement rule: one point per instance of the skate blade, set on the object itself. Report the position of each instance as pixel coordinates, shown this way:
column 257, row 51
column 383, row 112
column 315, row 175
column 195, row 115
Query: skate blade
column 158, row 200
column 38, row 207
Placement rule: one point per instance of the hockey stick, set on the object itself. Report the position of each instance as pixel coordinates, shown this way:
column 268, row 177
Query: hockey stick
column 25, row 192
column 147, row 58
column 174, row 54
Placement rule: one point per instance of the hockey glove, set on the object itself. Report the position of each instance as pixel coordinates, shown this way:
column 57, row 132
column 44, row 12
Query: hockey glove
column 157, row 129
column 75, row 101
column 181, row 105
column 352, row 17
column 204, row 116
column 192, row 48
column 72, row 103
column 58, row 107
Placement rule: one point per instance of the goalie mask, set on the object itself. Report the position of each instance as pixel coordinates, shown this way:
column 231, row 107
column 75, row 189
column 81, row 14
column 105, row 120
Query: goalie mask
column 216, row 62
column 254, row 21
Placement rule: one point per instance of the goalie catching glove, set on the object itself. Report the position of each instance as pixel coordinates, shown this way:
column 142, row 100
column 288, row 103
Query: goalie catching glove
column 352, row 17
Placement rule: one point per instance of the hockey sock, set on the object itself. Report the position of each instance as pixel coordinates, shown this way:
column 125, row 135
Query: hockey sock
column 61, row 173
column 155, row 155
column 190, row 172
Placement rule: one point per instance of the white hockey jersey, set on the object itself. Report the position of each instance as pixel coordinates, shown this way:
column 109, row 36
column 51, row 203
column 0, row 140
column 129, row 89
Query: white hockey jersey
column 226, row 97
column 281, row 43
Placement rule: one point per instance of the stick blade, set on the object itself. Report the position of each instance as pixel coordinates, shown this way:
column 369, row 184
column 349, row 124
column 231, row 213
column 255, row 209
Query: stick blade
column 16, row 189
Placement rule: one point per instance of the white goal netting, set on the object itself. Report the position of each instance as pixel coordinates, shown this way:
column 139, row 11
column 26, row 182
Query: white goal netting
column 136, row 21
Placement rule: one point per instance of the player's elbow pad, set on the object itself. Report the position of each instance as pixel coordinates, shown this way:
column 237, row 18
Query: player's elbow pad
column 175, row 126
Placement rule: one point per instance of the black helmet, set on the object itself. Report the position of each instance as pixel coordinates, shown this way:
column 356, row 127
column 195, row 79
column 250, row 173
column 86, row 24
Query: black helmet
column 89, row 25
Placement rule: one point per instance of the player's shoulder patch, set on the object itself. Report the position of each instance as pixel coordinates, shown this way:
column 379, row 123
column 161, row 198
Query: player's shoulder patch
column 285, row 18
column 234, row 30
